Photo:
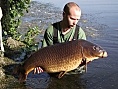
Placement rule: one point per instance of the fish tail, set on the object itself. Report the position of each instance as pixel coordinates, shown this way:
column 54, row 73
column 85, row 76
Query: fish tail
column 22, row 76
column 16, row 69
column 20, row 71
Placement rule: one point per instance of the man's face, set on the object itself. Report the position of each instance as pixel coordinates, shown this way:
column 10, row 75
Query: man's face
column 72, row 18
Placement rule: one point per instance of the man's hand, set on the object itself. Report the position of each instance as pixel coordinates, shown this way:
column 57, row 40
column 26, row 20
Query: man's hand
column 38, row 70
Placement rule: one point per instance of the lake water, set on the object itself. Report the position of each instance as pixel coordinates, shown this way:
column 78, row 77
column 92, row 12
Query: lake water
column 102, row 18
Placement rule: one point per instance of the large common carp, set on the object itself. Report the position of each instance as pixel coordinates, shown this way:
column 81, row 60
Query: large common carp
column 62, row 57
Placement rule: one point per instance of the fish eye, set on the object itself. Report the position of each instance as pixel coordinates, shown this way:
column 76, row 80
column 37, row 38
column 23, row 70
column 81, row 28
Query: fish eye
column 96, row 48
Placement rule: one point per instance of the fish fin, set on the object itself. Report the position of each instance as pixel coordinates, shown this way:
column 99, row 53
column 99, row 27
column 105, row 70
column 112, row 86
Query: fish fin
column 22, row 77
column 61, row 74
column 16, row 69
column 84, row 63
column 20, row 72
column 85, row 68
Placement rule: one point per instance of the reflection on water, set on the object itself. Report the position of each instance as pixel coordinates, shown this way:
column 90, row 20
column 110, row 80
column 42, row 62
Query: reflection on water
column 68, row 82
column 37, row 81
column 42, row 81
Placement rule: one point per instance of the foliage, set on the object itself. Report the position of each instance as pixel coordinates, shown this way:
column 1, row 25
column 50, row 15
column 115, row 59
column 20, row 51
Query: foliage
column 29, row 38
column 17, row 8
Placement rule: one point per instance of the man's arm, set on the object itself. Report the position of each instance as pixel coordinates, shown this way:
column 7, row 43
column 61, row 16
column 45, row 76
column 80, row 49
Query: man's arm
column 48, row 37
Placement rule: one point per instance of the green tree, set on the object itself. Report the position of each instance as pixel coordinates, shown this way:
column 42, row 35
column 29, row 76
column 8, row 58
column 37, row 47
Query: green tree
column 13, row 10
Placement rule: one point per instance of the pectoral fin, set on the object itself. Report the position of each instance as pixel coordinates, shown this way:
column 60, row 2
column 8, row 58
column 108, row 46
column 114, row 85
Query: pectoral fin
column 61, row 74
column 85, row 67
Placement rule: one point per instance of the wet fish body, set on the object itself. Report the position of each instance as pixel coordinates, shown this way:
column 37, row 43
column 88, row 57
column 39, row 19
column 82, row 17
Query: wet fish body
column 62, row 57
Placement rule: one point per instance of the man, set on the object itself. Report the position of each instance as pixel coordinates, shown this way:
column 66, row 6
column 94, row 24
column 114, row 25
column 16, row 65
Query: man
column 65, row 29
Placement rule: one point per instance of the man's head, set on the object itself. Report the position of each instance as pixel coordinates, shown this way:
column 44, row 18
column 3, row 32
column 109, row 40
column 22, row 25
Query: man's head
column 71, row 14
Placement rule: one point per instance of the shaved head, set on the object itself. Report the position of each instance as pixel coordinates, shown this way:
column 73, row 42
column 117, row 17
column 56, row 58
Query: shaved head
column 71, row 15
column 69, row 6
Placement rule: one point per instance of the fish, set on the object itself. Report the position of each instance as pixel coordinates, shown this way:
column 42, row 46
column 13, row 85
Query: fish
column 61, row 57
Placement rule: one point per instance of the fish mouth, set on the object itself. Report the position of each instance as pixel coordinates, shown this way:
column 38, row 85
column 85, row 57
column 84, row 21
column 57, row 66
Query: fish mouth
column 103, row 54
